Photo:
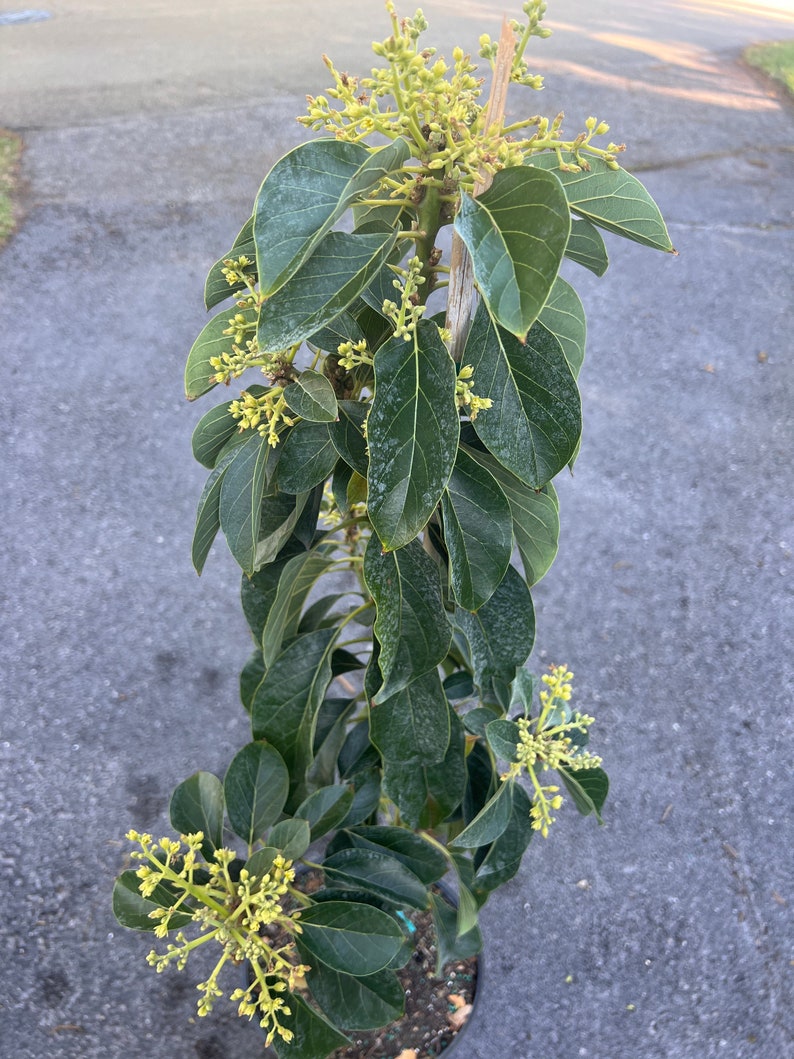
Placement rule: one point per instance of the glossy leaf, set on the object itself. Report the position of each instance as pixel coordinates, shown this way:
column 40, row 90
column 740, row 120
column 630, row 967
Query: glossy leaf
column 338, row 270
column 451, row 945
column 281, row 515
column 240, row 508
column 325, row 809
column 197, row 804
column 411, row 627
column 503, row 737
column 260, row 862
column 427, row 794
column 212, row 433
column 563, row 314
column 412, row 432
column 478, row 532
column 303, row 196
column 285, row 706
column 350, row 937
column 357, row 753
column 216, row 287
column 347, row 435
column 312, row 397
column 427, row 862
column 534, row 424
column 357, row 1003
column 490, row 822
column 516, row 233
column 297, row 579
column 501, row 633
column 292, row 837
column 255, row 786
column 378, row 873
column 211, row 342
column 503, row 859
column 208, row 514
column 250, row 678
column 307, row 458
column 412, row 726
column 612, row 199
column 312, row 1036
column 588, row 788
column 132, row 910
column 343, row 328
column 366, row 797
column 586, row 247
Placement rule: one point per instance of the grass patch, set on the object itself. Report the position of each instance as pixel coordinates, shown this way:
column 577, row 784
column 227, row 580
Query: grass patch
column 776, row 60
column 10, row 150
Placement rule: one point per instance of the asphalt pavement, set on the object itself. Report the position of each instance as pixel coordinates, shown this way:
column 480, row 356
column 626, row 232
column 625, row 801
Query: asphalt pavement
column 665, row 934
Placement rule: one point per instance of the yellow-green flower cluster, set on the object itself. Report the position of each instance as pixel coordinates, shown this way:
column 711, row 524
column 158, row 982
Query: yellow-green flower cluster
column 545, row 742
column 354, row 354
column 233, row 912
column 266, row 413
column 406, row 316
column 466, row 399
column 237, row 270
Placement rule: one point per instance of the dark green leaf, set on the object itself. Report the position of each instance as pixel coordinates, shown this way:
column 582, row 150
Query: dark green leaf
column 516, row 233
column 212, row 433
column 312, row 1036
column 357, row 1003
column 250, row 678
column 208, row 519
column 307, row 458
column 490, row 822
column 427, row 862
column 366, row 798
column 411, row 625
column 338, row 270
column 197, row 805
column 332, row 723
column 312, row 397
column 452, row 946
column 357, row 754
column 476, row 720
column 258, row 593
column 427, row 794
column 481, row 781
column 297, row 579
column 612, row 199
column 377, row 872
column 343, row 328
column 563, row 314
column 242, row 490
column 412, row 726
column 350, row 937
column 503, row 738
column 458, row 686
column 292, row 837
column 286, row 702
column 503, row 859
column 260, row 863
column 256, row 786
column 412, row 431
column 588, row 788
column 211, row 342
column 132, row 910
column 534, row 424
column 281, row 514
column 502, row 632
column 478, row 531
column 216, row 287
column 325, row 809
column 347, row 435
column 586, row 247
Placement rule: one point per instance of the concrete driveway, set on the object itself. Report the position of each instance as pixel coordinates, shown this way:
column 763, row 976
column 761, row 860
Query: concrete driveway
column 148, row 127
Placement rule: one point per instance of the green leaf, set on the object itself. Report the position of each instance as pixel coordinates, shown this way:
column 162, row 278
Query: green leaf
column 612, row 199
column 292, row 837
column 535, row 515
column 412, row 726
column 366, row 798
column 490, row 822
column 475, row 720
column 534, row 424
column 503, row 738
column 350, row 937
column 258, row 593
column 502, row 632
column 338, row 270
column 503, row 859
column 427, row 794
column 588, row 788
column 250, row 678
column 563, row 314
column 376, row 872
column 211, row 342
column 427, row 862
column 307, row 458
column 212, row 433
column 297, row 579
column 132, row 910
column 242, row 490
column 586, row 247
column 197, row 805
column 343, row 328
column 451, row 945
column 208, row 514
column 347, row 435
column 281, row 515
column 478, row 532
column 325, row 809
column 411, row 625
column 516, row 233
column 216, row 287
column 313, row 1037
column 260, row 863
column 357, row 1003
column 357, row 753
column 285, row 706
column 412, row 431
column 312, row 397
column 256, row 786
column 303, row 196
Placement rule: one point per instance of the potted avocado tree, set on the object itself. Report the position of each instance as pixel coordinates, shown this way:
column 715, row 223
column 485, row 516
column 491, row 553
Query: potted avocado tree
column 386, row 487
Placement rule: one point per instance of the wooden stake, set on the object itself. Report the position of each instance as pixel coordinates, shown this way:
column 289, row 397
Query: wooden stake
column 461, row 276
